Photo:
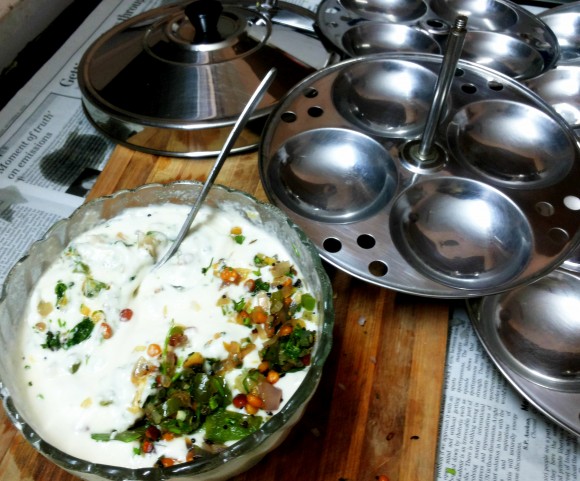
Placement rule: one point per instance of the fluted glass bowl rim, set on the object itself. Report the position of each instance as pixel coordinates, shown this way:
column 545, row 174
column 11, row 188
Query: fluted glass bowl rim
column 249, row 446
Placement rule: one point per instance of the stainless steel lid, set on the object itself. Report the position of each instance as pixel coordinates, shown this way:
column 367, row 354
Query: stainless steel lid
column 173, row 80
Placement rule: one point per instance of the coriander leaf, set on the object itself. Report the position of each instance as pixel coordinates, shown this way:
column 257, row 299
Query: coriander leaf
column 259, row 260
column 239, row 239
column 52, row 341
column 239, row 305
column 79, row 266
column 60, row 290
column 81, row 332
column 260, row 285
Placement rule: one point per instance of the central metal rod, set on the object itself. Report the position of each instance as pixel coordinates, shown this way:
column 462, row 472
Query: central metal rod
column 450, row 59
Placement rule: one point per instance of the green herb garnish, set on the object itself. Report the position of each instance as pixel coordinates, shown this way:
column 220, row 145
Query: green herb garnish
column 239, row 305
column 259, row 260
column 251, row 380
column 260, row 285
column 181, row 409
column 79, row 266
column 290, row 353
column 92, row 287
column 52, row 341
column 60, row 291
column 79, row 333
column 205, row 269
column 239, row 239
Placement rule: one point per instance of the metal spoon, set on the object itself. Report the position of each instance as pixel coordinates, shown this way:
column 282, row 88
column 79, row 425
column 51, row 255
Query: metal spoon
column 229, row 143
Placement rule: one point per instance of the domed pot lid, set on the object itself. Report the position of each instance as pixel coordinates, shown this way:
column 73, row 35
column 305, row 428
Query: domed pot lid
column 173, row 80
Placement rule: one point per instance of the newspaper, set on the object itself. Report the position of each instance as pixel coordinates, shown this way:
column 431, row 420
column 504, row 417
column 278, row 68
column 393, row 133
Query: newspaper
column 488, row 430
column 50, row 156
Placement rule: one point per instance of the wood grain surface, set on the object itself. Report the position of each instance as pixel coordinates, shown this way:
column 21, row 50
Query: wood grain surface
column 376, row 412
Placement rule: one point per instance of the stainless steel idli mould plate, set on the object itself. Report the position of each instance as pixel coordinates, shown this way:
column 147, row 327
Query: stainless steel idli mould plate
column 500, row 209
column 564, row 20
column 501, row 35
column 532, row 334
column 560, row 87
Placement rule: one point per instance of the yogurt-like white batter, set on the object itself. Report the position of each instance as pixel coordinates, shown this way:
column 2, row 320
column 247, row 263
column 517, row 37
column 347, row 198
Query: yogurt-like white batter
column 99, row 385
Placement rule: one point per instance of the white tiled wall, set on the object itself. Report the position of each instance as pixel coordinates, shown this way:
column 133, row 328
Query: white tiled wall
column 21, row 21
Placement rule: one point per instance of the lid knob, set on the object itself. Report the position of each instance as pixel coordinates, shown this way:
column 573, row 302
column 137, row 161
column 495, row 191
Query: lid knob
column 204, row 16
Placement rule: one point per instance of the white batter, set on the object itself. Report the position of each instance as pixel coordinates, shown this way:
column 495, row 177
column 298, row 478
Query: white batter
column 99, row 384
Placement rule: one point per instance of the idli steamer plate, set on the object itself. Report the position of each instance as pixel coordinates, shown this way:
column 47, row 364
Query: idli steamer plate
column 560, row 87
column 502, row 210
column 532, row 334
column 501, row 35
column 564, row 20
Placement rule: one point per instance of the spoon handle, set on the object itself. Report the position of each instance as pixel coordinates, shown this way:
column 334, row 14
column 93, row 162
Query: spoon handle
column 227, row 147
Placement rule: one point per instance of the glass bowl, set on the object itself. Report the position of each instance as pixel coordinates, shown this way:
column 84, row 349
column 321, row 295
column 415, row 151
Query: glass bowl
column 240, row 456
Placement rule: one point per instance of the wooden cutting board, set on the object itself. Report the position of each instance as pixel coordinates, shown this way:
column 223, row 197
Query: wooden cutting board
column 376, row 412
